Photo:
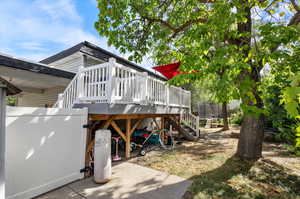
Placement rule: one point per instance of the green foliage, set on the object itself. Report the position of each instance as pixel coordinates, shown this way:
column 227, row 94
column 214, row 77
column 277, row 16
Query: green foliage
column 11, row 101
column 276, row 115
column 205, row 38
column 237, row 118
column 227, row 42
column 291, row 100
column 212, row 88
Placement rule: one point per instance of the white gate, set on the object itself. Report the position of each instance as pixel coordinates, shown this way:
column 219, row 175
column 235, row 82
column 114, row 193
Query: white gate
column 45, row 149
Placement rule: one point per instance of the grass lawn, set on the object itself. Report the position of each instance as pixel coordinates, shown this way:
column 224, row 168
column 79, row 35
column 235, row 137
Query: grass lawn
column 216, row 173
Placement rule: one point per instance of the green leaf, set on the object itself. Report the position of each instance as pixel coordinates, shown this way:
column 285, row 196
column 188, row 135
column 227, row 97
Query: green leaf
column 292, row 107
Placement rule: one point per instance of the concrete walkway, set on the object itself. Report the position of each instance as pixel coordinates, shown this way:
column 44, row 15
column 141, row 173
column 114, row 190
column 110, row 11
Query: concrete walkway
column 128, row 181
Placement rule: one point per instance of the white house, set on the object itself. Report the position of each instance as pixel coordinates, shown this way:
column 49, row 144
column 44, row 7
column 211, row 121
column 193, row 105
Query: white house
column 113, row 91
column 86, row 75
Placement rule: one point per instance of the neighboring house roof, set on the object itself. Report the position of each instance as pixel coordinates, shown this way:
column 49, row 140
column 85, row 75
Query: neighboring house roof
column 97, row 52
column 10, row 88
column 21, row 64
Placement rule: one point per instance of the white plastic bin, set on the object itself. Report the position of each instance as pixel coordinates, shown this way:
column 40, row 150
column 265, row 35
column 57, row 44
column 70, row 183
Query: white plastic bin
column 102, row 156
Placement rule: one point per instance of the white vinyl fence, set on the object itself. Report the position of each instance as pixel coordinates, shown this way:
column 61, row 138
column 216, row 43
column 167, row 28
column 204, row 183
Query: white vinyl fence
column 45, row 149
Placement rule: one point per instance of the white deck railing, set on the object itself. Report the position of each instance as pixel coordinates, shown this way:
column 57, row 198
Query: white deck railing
column 114, row 83
column 191, row 120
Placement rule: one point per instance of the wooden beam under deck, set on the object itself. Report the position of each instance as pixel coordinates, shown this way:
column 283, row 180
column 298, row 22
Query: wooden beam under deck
column 117, row 128
column 128, row 116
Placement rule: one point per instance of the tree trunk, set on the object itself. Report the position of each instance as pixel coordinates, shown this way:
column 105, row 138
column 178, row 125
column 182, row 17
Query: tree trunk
column 225, row 116
column 251, row 138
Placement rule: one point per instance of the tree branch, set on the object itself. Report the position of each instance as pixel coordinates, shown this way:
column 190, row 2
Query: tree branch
column 163, row 22
column 187, row 24
column 296, row 7
column 206, row 1
column 295, row 19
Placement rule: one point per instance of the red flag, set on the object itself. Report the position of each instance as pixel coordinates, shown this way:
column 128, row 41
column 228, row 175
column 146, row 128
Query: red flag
column 169, row 70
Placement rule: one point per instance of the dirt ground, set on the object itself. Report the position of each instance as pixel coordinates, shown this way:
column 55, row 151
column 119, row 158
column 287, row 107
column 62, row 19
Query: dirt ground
column 216, row 173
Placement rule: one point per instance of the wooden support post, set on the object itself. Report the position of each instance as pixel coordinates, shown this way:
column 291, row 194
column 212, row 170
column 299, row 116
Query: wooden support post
column 106, row 124
column 162, row 123
column 135, row 126
column 128, row 136
column 162, row 126
column 155, row 122
column 119, row 131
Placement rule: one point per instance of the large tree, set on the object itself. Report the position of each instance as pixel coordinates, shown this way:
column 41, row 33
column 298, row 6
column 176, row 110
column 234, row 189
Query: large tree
column 239, row 37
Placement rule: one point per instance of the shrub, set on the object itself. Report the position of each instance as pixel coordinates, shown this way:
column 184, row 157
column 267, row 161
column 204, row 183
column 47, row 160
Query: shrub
column 237, row 118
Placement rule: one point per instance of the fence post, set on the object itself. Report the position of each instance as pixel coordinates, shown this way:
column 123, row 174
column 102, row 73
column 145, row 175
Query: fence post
column 110, row 92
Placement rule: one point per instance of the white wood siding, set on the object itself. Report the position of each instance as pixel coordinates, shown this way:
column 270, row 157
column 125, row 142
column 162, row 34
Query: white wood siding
column 92, row 62
column 73, row 62
column 39, row 100
column 68, row 64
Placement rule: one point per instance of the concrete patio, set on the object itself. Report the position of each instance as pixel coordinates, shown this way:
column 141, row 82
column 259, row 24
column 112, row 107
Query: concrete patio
column 128, row 181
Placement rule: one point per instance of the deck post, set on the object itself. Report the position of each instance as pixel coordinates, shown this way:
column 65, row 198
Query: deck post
column 167, row 97
column 80, row 84
column 145, row 87
column 111, row 80
column 128, row 136
column 60, row 100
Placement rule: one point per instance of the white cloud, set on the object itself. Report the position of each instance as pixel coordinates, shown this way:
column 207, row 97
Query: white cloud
column 33, row 27
column 31, row 45
column 59, row 9
column 94, row 2
column 36, row 29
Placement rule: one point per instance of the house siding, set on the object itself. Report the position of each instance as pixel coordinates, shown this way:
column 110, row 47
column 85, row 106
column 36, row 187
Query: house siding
column 92, row 62
column 49, row 97
column 72, row 65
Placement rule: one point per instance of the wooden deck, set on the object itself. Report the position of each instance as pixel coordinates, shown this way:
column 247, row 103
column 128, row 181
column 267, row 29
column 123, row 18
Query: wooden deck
column 114, row 84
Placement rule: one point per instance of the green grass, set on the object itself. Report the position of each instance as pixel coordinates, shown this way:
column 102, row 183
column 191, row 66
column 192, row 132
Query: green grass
column 244, row 179
column 217, row 174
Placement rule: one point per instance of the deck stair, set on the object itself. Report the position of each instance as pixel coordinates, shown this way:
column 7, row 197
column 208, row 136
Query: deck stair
column 188, row 126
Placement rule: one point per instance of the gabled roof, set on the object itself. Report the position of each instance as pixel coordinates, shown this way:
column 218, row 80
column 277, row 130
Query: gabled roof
column 10, row 88
column 97, row 52
column 21, row 64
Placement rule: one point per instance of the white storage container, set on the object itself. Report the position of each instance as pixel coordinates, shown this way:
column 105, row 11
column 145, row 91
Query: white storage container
column 102, row 156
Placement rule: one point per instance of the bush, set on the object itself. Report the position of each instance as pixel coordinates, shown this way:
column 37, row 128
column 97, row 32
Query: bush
column 237, row 118
column 11, row 101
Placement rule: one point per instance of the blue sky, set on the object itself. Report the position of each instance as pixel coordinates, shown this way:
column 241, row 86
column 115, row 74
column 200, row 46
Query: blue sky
column 36, row 29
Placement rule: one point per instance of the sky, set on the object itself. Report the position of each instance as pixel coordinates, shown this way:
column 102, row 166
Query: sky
column 36, row 29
